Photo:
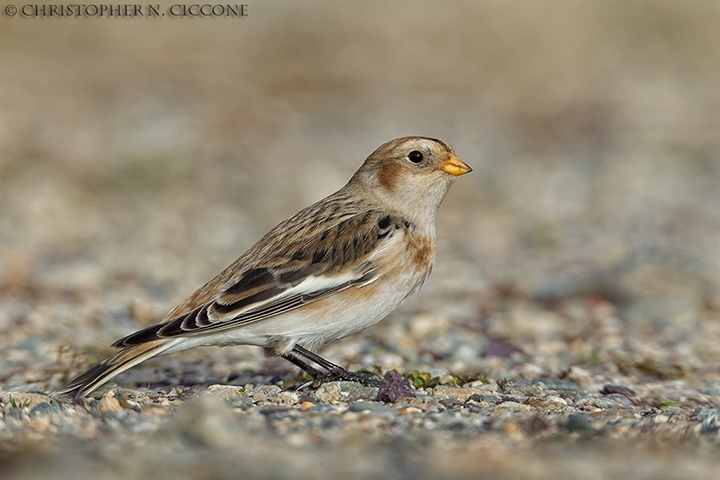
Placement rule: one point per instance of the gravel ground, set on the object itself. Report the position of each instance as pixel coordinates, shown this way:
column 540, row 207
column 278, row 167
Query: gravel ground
column 569, row 329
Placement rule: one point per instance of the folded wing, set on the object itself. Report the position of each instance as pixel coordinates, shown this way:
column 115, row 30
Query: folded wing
column 317, row 265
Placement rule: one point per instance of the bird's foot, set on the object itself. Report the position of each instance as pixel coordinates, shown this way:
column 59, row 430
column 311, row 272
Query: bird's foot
column 340, row 374
column 328, row 372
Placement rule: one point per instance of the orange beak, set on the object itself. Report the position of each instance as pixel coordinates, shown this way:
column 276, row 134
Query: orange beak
column 455, row 166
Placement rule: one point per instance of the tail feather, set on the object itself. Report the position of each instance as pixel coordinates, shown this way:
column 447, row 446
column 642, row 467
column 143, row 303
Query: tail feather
column 127, row 358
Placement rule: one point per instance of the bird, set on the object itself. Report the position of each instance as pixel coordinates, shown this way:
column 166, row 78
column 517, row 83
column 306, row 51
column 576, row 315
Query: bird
column 333, row 269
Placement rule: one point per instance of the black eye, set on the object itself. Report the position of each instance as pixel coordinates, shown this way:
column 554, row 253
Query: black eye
column 415, row 156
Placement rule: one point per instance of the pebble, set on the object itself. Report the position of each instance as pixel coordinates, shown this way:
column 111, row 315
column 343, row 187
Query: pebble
column 226, row 392
column 287, row 398
column 264, row 393
column 328, row 393
column 597, row 403
column 514, row 406
column 394, row 386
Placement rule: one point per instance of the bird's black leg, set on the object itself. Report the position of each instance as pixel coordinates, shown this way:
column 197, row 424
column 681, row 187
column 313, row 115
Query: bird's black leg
column 316, row 374
column 335, row 372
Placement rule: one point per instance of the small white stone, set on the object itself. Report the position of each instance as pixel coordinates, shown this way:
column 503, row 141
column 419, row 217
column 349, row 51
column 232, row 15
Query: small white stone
column 553, row 401
column 661, row 419
column 265, row 393
column 328, row 393
column 287, row 398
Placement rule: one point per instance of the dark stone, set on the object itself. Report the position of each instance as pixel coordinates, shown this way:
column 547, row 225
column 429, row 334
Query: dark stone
column 622, row 390
column 394, row 386
column 610, row 389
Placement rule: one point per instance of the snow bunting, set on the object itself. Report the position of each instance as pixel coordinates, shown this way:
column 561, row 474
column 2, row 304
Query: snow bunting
column 333, row 269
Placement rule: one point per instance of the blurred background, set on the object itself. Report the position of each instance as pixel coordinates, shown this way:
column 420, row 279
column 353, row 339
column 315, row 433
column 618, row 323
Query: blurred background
column 139, row 156
column 163, row 147
column 142, row 155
